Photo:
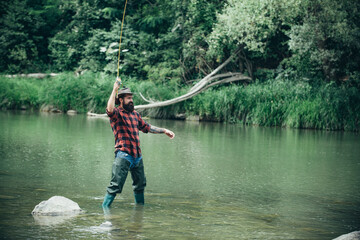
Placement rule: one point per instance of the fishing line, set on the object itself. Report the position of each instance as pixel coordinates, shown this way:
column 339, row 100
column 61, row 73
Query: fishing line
column 122, row 23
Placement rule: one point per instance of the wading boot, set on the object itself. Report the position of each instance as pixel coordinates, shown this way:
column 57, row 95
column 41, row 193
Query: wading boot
column 108, row 199
column 139, row 198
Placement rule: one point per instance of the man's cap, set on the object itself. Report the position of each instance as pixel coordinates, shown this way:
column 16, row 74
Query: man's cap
column 124, row 91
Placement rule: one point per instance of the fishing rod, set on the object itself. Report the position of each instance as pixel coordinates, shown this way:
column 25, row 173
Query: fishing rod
column 118, row 63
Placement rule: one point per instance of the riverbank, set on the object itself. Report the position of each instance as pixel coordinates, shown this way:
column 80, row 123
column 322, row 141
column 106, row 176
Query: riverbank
column 285, row 103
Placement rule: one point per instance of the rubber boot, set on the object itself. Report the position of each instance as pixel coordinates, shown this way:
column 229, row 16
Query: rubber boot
column 139, row 198
column 108, row 199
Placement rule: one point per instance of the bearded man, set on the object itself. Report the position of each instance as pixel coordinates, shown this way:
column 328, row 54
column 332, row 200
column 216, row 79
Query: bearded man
column 126, row 123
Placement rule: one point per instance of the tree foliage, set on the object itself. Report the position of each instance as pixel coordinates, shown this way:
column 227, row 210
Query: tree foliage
column 19, row 37
column 327, row 39
column 180, row 41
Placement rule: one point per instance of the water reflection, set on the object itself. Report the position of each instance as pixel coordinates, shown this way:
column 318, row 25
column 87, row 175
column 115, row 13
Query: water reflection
column 117, row 223
column 53, row 220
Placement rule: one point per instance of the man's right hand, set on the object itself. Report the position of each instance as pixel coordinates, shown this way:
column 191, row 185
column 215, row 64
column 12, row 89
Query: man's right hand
column 117, row 84
column 111, row 102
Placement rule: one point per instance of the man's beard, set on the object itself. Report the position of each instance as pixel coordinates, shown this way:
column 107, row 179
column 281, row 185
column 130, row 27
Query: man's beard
column 129, row 107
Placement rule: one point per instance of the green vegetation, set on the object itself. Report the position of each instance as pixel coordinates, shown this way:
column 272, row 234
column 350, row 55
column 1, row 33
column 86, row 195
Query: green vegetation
column 283, row 103
column 302, row 55
column 88, row 92
column 280, row 102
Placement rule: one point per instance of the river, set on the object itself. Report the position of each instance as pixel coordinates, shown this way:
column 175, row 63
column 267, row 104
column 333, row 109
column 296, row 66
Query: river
column 212, row 181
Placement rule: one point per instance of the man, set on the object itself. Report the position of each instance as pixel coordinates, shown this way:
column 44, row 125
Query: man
column 126, row 123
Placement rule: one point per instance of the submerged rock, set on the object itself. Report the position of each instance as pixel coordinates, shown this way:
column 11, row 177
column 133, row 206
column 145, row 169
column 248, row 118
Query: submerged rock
column 104, row 227
column 350, row 236
column 106, row 224
column 55, row 206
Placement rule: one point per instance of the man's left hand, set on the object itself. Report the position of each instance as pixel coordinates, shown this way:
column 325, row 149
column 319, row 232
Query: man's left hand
column 169, row 133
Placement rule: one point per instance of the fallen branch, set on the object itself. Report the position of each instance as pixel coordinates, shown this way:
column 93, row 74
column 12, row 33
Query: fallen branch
column 149, row 101
column 191, row 94
column 208, row 81
column 90, row 114
column 33, row 75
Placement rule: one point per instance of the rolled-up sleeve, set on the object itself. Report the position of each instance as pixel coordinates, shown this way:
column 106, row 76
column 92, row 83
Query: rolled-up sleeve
column 112, row 115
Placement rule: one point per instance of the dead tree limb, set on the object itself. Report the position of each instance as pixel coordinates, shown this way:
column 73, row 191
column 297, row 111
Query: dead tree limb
column 201, row 85
column 193, row 92
column 210, row 80
column 146, row 100
column 33, row 75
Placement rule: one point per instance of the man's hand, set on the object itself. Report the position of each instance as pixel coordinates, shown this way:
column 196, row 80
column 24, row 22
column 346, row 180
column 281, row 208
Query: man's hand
column 111, row 102
column 117, row 84
column 169, row 133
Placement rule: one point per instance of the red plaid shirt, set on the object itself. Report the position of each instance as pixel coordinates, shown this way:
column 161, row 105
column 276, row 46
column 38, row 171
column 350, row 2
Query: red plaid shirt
column 126, row 126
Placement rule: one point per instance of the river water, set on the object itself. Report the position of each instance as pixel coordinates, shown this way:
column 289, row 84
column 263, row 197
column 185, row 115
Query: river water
column 212, row 181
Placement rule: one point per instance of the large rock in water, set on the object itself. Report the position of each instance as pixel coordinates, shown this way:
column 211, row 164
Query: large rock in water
column 55, row 206
column 350, row 236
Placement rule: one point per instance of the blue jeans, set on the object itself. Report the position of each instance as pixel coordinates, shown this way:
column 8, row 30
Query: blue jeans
column 122, row 164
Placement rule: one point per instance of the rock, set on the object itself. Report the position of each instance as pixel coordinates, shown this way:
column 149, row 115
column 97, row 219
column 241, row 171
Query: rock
column 104, row 227
column 107, row 224
column 46, row 108
column 350, row 236
column 180, row 116
column 193, row 118
column 71, row 112
column 57, row 205
column 55, row 110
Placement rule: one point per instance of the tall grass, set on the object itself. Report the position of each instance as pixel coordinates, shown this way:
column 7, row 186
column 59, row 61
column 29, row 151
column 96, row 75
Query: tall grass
column 19, row 93
column 284, row 103
column 88, row 92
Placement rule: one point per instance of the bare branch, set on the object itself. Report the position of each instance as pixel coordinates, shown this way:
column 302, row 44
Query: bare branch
column 33, row 75
column 192, row 93
column 149, row 101
column 208, row 81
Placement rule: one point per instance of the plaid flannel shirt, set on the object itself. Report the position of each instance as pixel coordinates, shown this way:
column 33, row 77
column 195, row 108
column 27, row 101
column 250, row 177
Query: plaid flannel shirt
column 126, row 126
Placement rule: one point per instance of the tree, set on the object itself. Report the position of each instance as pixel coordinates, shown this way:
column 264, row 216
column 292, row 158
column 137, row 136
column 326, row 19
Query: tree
column 256, row 27
column 19, row 38
column 68, row 45
column 327, row 40
column 195, row 24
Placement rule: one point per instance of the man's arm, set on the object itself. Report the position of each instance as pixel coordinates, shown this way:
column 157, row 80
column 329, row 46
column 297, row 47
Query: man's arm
column 158, row 130
column 111, row 102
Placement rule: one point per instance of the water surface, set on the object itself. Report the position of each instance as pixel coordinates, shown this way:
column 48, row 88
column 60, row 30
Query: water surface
column 213, row 181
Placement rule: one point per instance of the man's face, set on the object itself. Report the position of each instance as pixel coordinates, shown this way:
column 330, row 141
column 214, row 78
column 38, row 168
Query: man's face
column 128, row 103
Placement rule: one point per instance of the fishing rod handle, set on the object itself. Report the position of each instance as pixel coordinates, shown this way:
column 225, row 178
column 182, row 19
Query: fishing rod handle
column 118, row 81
